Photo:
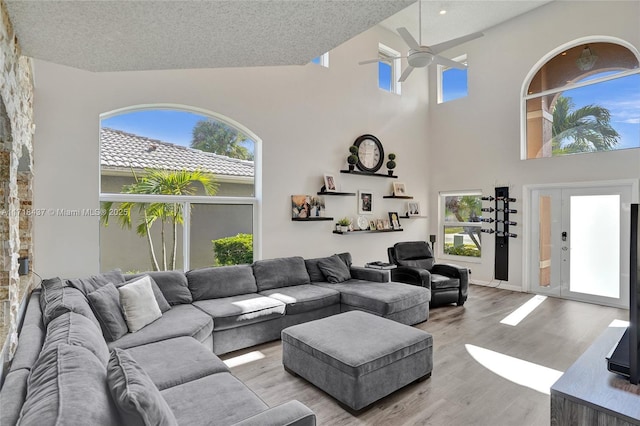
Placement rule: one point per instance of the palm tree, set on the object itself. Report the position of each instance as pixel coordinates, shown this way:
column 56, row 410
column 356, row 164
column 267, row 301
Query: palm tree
column 466, row 209
column 159, row 182
column 586, row 129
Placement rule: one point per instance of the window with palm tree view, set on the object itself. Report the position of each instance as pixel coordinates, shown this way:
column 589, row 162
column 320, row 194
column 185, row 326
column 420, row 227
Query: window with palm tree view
column 177, row 191
column 584, row 99
column 460, row 215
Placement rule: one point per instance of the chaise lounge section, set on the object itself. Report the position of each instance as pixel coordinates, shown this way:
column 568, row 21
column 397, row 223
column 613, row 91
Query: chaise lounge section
column 203, row 313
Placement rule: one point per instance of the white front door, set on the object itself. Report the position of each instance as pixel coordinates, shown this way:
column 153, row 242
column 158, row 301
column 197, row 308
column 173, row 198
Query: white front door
column 580, row 243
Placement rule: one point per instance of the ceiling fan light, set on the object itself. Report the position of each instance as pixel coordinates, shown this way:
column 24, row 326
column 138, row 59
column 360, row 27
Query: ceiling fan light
column 443, row 11
column 587, row 59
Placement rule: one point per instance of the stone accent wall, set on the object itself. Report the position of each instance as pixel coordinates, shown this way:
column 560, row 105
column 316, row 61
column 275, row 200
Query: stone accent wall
column 16, row 161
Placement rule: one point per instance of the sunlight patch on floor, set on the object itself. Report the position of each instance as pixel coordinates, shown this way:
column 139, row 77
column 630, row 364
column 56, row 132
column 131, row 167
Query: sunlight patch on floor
column 616, row 323
column 244, row 359
column 521, row 313
column 521, row 372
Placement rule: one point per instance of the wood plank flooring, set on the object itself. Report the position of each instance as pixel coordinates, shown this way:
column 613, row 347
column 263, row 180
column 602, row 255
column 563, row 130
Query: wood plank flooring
column 460, row 391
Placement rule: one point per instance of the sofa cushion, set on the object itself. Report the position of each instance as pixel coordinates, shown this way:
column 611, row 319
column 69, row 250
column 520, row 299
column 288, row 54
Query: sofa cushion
column 57, row 298
column 105, row 303
column 187, row 358
column 76, row 330
column 315, row 274
column 181, row 320
column 173, row 285
column 139, row 306
column 29, row 346
column 138, row 400
column 223, row 281
column 334, row 269
column 68, row 387
column 304, row 298
column 33, row 314
column 90, row 284
column 282, row 272
column 380, row 298
column 12, row 395
column 441, row 282
column 236, row 311
column 222, row 400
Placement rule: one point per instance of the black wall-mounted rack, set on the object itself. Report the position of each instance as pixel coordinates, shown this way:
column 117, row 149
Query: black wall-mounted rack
column 501, row 211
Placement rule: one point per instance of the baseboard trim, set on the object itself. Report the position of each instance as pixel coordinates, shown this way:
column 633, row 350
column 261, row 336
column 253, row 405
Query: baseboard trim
column 498, row 284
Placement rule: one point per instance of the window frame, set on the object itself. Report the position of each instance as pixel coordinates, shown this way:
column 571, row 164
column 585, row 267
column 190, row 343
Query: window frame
column 440, row 79
column 392, row 57
column 525, row 96
column 442, row 224
column 187, row 200
column 324, row 60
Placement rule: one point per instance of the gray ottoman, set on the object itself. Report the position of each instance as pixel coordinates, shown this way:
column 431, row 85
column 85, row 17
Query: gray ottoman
column 357, row 357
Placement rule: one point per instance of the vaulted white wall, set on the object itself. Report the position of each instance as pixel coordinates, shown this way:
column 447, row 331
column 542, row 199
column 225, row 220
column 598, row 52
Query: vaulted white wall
column 307, row 117
column 474, row 142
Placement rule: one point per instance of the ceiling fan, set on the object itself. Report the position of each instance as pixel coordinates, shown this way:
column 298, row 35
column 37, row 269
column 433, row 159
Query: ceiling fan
column 420, row 56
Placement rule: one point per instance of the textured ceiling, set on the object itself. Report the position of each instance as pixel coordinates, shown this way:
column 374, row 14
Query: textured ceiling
column 124, row 35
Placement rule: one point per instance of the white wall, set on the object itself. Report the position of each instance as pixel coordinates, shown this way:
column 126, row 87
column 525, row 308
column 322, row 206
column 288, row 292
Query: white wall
column 474, row 142
column 307, row 116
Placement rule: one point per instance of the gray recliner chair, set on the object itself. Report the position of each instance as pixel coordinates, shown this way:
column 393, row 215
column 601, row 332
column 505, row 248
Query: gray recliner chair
column 416, row 265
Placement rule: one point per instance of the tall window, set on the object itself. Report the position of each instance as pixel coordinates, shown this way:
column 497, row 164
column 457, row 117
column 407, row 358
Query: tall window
column 177, row 191
column 322, row 60
column 585, row 98
column 388, row 69
column 460, row 214
column 452, row 82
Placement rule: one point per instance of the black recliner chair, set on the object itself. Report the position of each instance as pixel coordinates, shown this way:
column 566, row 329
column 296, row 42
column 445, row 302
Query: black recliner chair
column 416, row 265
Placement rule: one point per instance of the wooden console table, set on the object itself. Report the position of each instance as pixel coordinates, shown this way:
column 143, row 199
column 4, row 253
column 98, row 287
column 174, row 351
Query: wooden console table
column 588, row 394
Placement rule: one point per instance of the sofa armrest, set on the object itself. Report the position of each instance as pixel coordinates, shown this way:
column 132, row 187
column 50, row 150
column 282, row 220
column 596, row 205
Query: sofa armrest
column 293, row 413
column 369, row 274
column 410, row 275
column 455, row 271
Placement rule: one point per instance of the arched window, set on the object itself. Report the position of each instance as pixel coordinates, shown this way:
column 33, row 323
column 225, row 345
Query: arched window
column 177, row 189
column 583, row 97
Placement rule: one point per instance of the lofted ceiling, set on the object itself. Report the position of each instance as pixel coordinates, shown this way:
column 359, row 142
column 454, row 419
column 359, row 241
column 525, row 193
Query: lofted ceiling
column 122, row 35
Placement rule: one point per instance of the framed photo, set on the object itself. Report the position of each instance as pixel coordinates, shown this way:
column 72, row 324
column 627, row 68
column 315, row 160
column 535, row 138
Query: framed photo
column 399, row 189
column 317, row 205
column 379, row 224
column 413, row 208
column 387, row 224
column 300, row 206
column 365, row 202
column 395, row 220
column 330, row 183
column 372, row 225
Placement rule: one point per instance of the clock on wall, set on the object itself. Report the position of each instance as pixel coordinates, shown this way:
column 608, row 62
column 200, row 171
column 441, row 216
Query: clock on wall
column 370, row 153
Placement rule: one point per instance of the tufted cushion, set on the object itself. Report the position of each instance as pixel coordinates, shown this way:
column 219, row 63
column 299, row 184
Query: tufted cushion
column 282, row 272
column 223, row 281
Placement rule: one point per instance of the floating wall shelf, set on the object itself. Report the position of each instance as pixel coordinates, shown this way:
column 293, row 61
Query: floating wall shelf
column 310, row 219
column 403, row 197
column 367, row 231
column 357, row 172
column 344, row 194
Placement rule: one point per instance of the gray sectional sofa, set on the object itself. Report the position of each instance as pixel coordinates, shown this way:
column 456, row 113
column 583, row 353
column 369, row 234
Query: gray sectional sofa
column 68, row 358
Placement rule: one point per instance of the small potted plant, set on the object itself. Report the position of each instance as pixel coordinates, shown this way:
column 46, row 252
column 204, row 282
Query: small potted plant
column 344, row 224
column 352, row 159
column 391, row 164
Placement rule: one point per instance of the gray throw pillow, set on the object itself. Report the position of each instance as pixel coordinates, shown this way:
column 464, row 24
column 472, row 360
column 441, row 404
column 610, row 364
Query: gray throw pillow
column 138, row 400
column 138, row 303
column 334, row 269
column 105, row 303
column 94, row 282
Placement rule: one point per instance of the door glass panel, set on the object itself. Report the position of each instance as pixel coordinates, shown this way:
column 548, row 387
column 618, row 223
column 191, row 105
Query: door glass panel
column 545, row 241
column 595, row 245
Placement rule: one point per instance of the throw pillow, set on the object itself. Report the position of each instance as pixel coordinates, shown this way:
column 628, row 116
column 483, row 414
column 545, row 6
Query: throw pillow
column 94, row 282
column 105, row 303
column 138, row 303
column 334, row 269
column 138, row 400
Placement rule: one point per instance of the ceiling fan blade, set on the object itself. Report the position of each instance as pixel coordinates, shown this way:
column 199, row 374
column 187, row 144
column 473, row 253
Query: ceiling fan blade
column 441, row 47
column 405, row 73
column 448, row 62
column 408, row 38
column 368, row 61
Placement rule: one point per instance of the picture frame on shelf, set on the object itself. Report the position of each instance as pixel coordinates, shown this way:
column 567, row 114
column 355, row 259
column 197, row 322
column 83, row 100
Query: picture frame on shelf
column 394, row 219
column 399, row 189
column 307, row 206
column 365, row 201
column 379, row 224
column 387, row 224
column 413, row 208
column 330, row 183
column 372, row 225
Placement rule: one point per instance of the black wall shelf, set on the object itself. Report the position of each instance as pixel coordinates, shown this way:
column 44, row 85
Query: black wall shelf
column 310, row 219
column 357, row 172
column 344, row 194
column 367, row 231
column 406, row 216
column 402, row 197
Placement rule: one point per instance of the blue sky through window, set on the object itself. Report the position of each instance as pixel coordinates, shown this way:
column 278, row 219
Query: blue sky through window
column 454, row 84
column 384, row 76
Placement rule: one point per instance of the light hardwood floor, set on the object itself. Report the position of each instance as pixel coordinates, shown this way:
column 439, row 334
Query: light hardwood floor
column 461, row 391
